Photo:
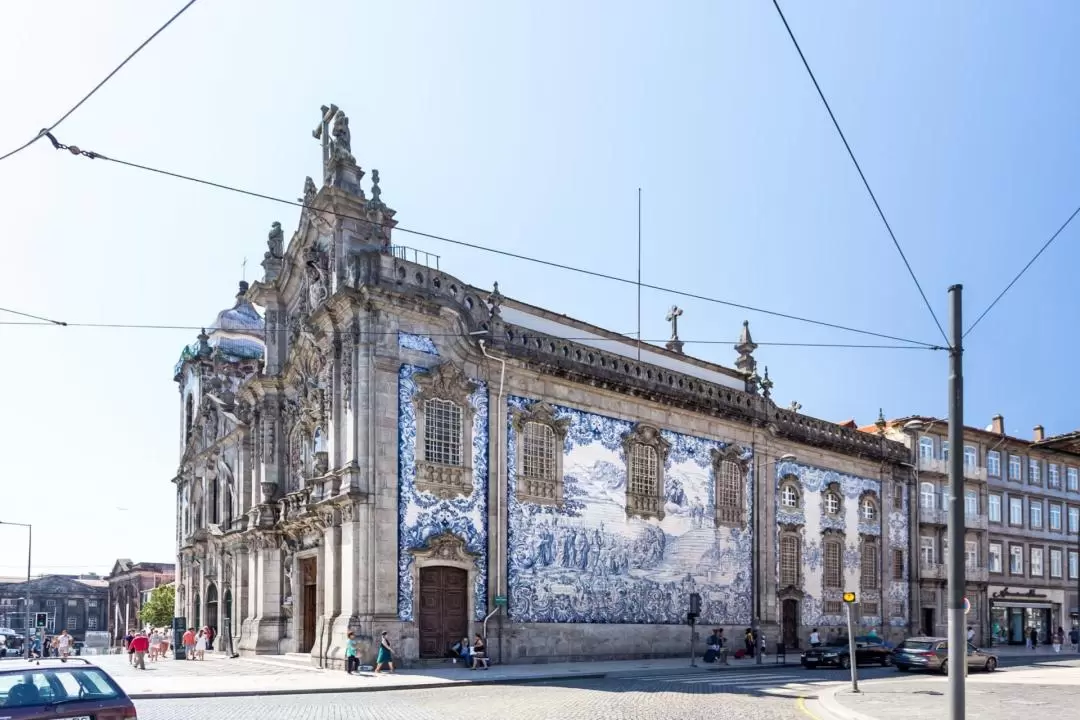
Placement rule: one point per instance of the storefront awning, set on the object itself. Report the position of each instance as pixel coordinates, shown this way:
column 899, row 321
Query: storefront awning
column 1018, row 604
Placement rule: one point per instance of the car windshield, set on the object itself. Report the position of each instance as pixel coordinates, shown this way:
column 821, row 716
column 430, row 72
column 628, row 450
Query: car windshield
column 916, row 645
column 60, row 685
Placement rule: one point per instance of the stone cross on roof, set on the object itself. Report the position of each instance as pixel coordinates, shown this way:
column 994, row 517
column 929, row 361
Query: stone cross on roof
column 674, row 344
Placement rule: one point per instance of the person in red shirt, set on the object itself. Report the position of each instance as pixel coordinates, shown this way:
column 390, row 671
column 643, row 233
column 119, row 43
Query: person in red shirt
column 139, row 645
column 189, row 644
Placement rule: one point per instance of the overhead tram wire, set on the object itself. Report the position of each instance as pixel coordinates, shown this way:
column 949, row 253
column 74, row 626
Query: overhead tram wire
column 97, row 87
column 43, row 320
column 523, row 336
column 74, row 150
column 1023, row 270
column 858, row 168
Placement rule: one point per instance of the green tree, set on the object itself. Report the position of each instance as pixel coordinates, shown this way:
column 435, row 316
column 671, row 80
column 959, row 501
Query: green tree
column 158, row 610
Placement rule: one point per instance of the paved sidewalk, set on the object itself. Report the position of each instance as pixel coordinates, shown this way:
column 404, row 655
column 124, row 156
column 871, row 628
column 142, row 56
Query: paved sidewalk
column 1050, row 689
column 218, row 676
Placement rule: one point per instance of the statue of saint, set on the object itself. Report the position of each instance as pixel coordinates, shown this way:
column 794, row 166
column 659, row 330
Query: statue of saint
column 276, row 241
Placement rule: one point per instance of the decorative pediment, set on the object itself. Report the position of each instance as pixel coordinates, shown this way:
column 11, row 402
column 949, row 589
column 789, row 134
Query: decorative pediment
column 444, row 382
column 543, row 413
column 445, row 547
column 729, row 453
column 648, row 435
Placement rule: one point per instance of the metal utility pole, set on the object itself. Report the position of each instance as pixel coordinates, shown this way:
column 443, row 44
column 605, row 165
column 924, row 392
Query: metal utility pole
column 957, row 581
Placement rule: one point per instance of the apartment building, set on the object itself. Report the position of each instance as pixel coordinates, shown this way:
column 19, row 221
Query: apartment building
column 1022, row 510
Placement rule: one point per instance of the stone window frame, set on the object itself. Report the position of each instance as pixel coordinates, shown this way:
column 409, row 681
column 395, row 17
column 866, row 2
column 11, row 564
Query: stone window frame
column 834, row 490
column 728, row 516
column 540, row 491
column 791, row 482
column 1001, row 556
column 645, row 505
column 868, row 499
column 836, row 539
column 447, row 383
column 1031, row 550
column 792, row 535
column 869, row 551
column 897, row 565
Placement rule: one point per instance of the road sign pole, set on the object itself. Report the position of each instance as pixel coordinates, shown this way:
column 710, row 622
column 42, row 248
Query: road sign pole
column 851, row 647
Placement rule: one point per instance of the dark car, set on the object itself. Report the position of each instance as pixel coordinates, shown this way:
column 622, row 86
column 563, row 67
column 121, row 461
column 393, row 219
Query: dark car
column 932, row 653
column 51, row 689
column 869, row 650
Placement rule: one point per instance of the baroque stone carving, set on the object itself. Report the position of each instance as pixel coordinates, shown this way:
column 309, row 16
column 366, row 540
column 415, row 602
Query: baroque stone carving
column 729, row 471
column 446, row 547
column 645, row 498
column 444, row 480
column 540, row 479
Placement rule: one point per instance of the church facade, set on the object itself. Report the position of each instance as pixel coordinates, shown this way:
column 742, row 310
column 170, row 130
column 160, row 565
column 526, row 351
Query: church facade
column 386, row 447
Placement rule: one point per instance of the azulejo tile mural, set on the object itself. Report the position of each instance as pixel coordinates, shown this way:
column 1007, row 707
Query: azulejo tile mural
column 898, row 540
column 811, row 520
column 421, row 516
column 586, row 562
column 419, row 343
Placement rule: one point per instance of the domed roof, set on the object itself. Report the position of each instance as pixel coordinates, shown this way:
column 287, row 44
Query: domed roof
column 238, row 333
column 241, row 318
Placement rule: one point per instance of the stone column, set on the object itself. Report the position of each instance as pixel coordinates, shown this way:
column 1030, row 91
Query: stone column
column 268, row 622
column 330, row 646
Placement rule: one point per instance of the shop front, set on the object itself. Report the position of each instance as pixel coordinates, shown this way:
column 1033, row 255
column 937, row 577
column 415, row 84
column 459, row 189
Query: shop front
column 1015, row 613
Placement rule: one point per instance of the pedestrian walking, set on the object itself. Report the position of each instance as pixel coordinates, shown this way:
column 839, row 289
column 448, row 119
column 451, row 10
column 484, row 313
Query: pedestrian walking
column 200, row 645
column 63, row 645
column 352, row 662
column 140, row 644
column 1058, row 638
column 1074, row 638
column 189, row 644
column 385, row 656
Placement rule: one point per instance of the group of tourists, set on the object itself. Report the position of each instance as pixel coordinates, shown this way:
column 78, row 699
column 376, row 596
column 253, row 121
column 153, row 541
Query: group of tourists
column 52, row 646
column 385, row 657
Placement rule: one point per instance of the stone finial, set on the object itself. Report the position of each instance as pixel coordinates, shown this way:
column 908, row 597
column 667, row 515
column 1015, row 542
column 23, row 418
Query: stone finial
column 746, row 347
column 880, row 424
column 753, row 383
column 795, row 406
column 495, row 300
column 766, row 384
column 376, row 191
column 674, row 344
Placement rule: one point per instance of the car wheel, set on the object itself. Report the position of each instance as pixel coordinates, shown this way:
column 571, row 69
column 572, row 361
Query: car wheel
column 991, row 665
column 902, row 668
column 845, row 662
column 944, row 667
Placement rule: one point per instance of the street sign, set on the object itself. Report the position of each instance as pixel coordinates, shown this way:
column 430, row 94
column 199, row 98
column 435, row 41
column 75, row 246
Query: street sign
column 849, row 597
column 500, row 601
column 967, row 606
column 41, row 620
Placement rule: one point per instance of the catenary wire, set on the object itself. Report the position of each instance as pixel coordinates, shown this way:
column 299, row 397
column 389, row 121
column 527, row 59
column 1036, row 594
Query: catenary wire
column 97, row 87
column 523, row 336
column 1023, row 270
column 474, row 246
column 858, row 168
column 44, row 320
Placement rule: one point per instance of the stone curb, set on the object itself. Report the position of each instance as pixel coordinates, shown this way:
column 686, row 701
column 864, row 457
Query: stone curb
column 612, row 675
column 832, row 709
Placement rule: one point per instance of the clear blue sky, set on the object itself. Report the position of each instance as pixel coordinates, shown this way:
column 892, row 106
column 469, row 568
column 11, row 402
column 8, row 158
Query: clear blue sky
column 529, row 127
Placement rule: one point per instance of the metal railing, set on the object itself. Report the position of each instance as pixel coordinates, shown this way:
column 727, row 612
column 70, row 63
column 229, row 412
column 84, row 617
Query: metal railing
column 933, row 571
column 933, row 465
column 419, row 257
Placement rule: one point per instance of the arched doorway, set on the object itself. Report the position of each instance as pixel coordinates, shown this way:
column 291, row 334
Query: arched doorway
column 789, row 620
column 196, row 612
column 444, row 609
column 228, row 628
column 212, row 607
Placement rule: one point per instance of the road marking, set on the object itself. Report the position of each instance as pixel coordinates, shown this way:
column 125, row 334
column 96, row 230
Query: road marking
column 801, row 704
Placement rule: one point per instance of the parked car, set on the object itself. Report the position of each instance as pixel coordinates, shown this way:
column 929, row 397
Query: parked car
column 869, row 650
column 932, row 653
column 50, row 688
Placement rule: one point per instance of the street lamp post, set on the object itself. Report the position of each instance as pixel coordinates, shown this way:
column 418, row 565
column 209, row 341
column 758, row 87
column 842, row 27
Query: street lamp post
column 29, row 554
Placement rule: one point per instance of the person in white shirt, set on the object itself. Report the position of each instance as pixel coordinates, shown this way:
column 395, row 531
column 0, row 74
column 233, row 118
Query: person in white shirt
column 971, row 635
column 63, row 645
column 815, row 638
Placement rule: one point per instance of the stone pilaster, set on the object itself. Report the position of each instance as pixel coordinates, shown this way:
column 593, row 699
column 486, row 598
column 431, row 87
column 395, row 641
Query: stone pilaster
column 267, row 626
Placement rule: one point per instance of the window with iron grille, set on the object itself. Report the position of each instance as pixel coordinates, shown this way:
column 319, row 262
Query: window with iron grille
column 831, row 607
column 869, row 609
column 897, row 564
column 538, row 446
column 789, row 560
column 91, row 624
column 643, row 470
column 896, row 610
column 729, row 504
column 442, row 432
column 868, row 566
column 73, row 622
column 833, row 564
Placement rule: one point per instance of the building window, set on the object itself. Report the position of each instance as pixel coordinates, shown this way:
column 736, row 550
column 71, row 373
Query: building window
column 1014, row 467
column 644, row 471
column 945, row 450
column 945, row 497
column 73, row 622
column 540, row 454
column 971, row 503
column 868, row 609
column 831, row 607
column 995, row 508
column 646, row 450
column 1016, row 560
column 1074, row 565
column 971, row 555
column 1055, row 517
column 1034, row 478
column 896, row 609
column 538, row 447
column 927, row 496
column 926, row 448
column 50, row 603
column 833, row 564
column 1055, row 563
column 927, row 550
column 1036, row 562
column 868, row 566
column 869, row 510
column 91, row 623
column 1072, row 480
column 1074, row 519
column 442, row 432
column 73, row 603
column 790, row 561
column 1016, row 511
column 994, row 557
column 1053, row 477
column 832, row 502
column 91, row 603
column 993, row 463
column 897, row 564
column 789, row 496
column 898, row 498
column 971, row 457
column 1035, row 508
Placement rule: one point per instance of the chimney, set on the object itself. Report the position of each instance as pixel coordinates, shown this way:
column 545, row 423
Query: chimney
column 1040, row 434
column 997, row 424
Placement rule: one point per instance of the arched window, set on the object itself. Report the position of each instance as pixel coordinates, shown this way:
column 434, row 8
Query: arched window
column 442, row 432
column 644, row 471
column 214, row 500
column 730, row 482
column 538, row 451
column 789, row 496
column 790, row 560
column 868, row 511
column 832, row 550
column 444, row 423
column 646, row 451
column 540, row 436
column 189, row 418
column 831, row 501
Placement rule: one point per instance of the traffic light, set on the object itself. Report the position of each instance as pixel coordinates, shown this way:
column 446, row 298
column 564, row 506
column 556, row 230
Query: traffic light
column 695, row 604
column 849, row 597
column 41, row 620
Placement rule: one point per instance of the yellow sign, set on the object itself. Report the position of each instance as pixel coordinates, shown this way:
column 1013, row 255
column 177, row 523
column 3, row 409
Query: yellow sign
column 849, row 597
